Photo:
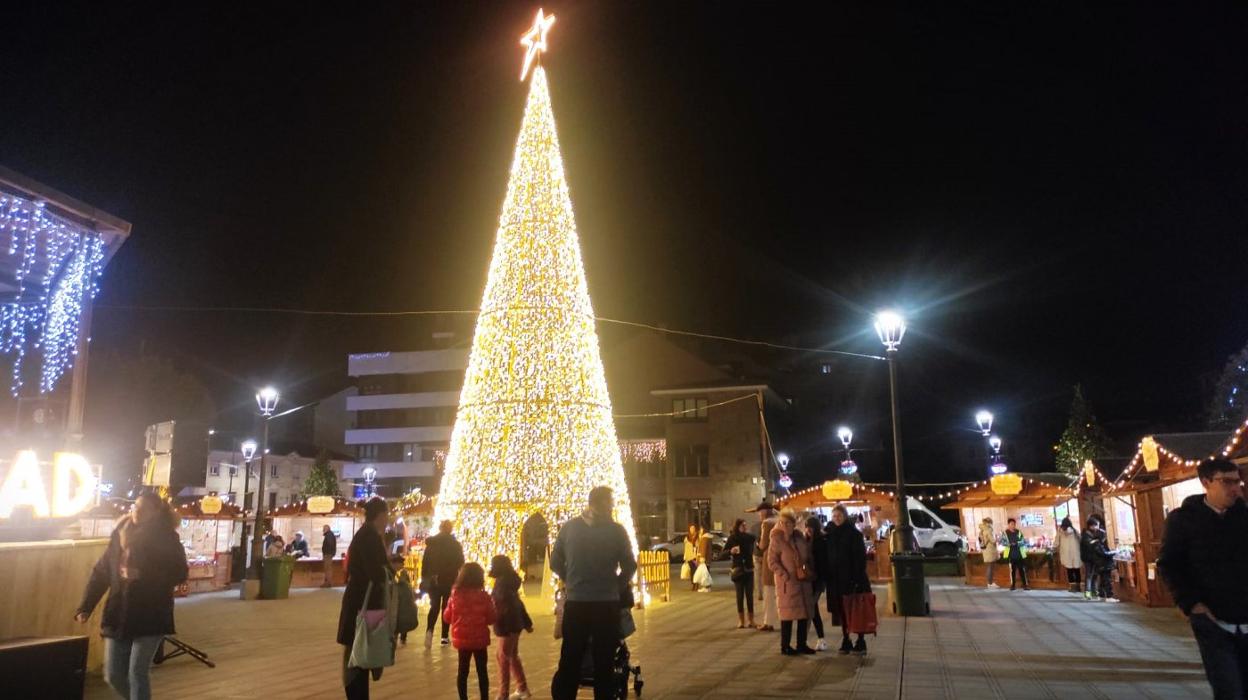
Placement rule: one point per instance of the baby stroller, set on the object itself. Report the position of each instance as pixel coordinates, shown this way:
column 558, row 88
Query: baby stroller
column 622, row 671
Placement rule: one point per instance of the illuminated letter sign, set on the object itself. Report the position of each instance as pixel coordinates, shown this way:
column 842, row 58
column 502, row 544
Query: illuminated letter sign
column 837, row 490
column 73, row 486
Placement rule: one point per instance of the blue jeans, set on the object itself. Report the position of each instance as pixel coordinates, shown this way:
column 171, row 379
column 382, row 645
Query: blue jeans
column 1225, row 656
column 127, row 663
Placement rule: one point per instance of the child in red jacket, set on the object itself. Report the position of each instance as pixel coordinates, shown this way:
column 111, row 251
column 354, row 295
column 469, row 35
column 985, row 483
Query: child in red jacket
column 470, row 613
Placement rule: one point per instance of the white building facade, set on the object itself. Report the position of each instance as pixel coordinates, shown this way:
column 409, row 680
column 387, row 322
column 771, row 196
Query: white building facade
column 283, row 484
column 403, row 415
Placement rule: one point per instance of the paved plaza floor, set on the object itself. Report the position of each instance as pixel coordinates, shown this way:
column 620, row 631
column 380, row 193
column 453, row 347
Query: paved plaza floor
column 977, row 644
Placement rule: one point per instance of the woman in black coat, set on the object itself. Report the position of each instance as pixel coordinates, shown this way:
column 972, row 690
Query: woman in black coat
column 847, row 572
column 143, row 563
column 367, row 563
column 740, row 544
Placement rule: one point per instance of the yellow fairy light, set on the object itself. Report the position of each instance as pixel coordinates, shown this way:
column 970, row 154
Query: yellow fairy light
column 534, row 432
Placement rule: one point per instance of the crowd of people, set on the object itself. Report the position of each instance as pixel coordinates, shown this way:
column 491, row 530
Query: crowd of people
column 592, row 556
column 1086, row 557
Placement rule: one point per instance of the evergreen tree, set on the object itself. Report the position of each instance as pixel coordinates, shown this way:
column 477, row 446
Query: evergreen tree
column 1083, row 438
column 1230, row 396
column 323, row 481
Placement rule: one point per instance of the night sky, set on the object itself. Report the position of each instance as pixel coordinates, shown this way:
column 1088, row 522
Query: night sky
column 1055, row 194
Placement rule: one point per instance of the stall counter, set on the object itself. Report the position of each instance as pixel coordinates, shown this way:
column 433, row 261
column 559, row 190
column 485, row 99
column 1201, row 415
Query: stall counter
column 1042, row 571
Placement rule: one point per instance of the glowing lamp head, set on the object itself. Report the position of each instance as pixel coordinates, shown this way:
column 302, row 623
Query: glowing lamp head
column 846, row 435
column 266, row 399
column 849, row 467
column 995, row 443
column 785, row 481
column 999, row 468
column 891, row 328
column 984, row 420
column 248, row 448
column 783, row 460
column 369, row 473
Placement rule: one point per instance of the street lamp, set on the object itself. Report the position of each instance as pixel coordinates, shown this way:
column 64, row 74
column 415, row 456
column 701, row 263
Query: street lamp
column 848, row 467
column 995, row 465
column 984, row 420
column 266, row 399
column 995, row 443
column 370, row 474
column 891, row 328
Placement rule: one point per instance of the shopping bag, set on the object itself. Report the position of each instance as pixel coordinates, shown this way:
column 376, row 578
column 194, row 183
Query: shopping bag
column 860, row 613
column 627, row 624
column 702, row 576
column 685, row 572
column 558, row 627
column 373, row 646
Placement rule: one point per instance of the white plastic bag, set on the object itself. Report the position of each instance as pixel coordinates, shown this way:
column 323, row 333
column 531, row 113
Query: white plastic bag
column 702, row 576
column 685, row 573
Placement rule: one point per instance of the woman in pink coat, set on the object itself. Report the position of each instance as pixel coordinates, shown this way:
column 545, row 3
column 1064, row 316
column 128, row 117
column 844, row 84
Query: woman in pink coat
column 788, row 557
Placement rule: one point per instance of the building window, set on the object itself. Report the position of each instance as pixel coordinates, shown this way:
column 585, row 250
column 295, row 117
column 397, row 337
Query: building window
column 272, row 500
column 825, row 368
column 214, row 470
column 366, row 453
column 690, row 461
column 693, row 511
column 689, row 409
column 273, row 471
column 411, row 451
column 428, row 454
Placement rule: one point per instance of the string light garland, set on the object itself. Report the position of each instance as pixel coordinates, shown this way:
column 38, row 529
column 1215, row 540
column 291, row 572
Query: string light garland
column 533, row 432
column 59, row 263
column 1228, row 448
column 643, row 451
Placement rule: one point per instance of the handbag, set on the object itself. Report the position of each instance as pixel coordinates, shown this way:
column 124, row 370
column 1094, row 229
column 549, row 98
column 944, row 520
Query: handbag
column 860, row 615
column 685, row 572
column 373, row 647
column 803, row 574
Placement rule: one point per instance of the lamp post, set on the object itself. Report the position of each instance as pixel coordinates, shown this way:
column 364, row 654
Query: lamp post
column 370, row 474
column 891, row 328
column 266, row 399
column 848, row 467
column 995, row 465
column 248, row 448
column 784, row 481
column 984, row 420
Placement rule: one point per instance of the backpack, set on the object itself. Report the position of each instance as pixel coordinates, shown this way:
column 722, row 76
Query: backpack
column 407, row 617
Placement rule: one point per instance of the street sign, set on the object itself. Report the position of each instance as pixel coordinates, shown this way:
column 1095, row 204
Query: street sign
column 1007, row 484
column 210, row 505
column 837, row 490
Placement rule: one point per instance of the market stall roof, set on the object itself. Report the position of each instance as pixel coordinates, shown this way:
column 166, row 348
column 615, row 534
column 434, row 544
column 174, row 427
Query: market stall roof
column 1177, row 456
column 342, row 506
column 813, row 497
column 1045, row 490
column 192, row 508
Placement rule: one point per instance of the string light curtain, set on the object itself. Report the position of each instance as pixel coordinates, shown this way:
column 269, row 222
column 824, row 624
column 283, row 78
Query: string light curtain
column 533, row 432
column 57, row 266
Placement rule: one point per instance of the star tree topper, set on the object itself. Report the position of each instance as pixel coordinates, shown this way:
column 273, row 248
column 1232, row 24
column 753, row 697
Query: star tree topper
column 535, row 40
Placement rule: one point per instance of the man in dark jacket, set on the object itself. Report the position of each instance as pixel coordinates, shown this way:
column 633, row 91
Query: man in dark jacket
column 444, row 555
column 594, row 558
column 329, row 548
column 1205, row 563
column 1098, row 562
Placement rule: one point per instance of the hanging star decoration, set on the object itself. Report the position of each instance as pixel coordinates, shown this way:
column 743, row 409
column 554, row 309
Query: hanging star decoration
column 535, row 40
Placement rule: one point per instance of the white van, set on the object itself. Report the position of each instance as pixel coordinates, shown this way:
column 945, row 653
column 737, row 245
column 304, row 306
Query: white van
column 934, row 535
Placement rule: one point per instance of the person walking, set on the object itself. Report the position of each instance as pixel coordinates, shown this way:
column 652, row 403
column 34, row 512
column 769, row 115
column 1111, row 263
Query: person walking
column 988, row 549
column 513, row 618
column 594, row 558
column 470, row 612
column 847, row 573
column 1067, row 545
column 691, row 554
column 740, row 547
column 329, row 547
column 767, row 523
column 139, row 569
column 819, row 567
column 788, row 555
column 444, row 556
column 1205, row 565
column 1016, row 554
column 367, row 563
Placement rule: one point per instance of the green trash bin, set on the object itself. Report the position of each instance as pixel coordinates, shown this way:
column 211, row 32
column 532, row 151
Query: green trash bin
column 908, row 588
column 275, row 582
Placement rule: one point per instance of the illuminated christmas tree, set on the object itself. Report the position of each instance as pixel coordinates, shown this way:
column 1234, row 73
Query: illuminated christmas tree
column 533, row 433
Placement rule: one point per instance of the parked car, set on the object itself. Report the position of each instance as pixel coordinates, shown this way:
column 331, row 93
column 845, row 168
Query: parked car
column 676, row 546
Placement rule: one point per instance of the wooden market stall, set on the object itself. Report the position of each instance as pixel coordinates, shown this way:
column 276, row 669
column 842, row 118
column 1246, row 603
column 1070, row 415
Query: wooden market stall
column 343, row 516
column 416, row 511
column 875, row 510
column 1159, row 477
column 207, row 530
column 1038, row 502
